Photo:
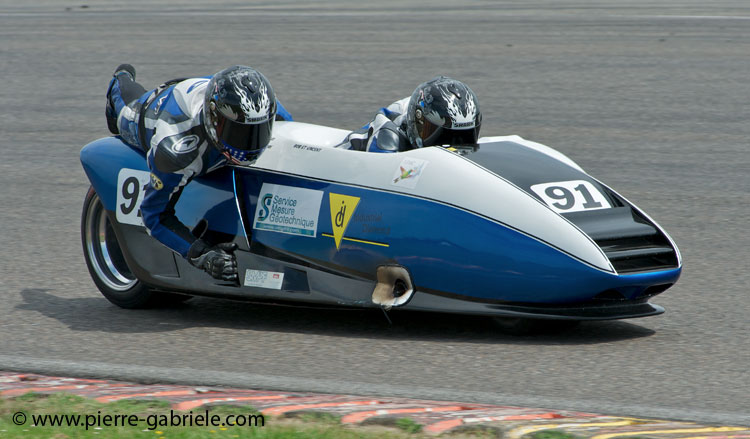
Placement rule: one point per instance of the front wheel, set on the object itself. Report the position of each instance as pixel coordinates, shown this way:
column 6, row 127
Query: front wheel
column 106, row 262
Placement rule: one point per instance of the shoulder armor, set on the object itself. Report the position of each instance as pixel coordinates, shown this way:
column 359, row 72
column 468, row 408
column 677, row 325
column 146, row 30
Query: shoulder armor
column 390, row 138
column 175, row 153
column 387, row 140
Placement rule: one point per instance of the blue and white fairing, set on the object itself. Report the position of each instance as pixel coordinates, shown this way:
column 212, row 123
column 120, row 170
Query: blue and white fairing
column 462, row 230
column 510, row 228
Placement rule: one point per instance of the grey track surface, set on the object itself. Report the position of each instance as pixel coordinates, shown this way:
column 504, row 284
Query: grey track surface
column 651, row 97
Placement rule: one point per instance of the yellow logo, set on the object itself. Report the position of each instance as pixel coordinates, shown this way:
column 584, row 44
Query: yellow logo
column 342, row 209
column 155, row 182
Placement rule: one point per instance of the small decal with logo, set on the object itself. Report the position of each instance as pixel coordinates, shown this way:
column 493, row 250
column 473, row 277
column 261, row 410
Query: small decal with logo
column 288, row 209
column 263, row 279
column 342, row 211
column 155, row 182
column 408, row 173
column 186, row 144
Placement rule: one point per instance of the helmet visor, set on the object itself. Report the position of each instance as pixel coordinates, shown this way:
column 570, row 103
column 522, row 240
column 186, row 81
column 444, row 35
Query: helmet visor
column 242, row 139
column 436, row 135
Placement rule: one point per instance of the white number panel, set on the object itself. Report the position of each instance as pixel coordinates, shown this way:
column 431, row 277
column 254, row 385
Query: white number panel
column 131, row 186
column 571, row 196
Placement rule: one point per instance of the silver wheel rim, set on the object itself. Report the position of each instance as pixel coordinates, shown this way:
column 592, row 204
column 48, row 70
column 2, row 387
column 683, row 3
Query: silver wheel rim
column 103, row 250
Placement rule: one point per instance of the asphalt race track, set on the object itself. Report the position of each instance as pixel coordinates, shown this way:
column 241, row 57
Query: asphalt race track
column 651, row 97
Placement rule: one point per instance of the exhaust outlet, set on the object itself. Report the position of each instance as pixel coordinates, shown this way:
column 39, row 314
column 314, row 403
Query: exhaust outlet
column 394, row 287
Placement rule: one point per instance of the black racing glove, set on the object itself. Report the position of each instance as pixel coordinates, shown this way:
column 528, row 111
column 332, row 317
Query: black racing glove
column 218, row 261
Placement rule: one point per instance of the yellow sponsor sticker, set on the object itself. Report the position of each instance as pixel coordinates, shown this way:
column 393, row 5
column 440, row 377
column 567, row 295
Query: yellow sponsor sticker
column 342, row 210
column 155, row 182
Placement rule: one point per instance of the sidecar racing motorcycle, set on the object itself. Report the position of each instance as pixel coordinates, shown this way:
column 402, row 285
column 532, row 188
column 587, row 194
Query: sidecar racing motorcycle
column 507, row 228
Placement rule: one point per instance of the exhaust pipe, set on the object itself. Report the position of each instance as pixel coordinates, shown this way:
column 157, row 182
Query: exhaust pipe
column 394, row 287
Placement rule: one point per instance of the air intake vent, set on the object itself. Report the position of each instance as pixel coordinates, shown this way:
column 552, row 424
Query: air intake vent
column 631, row 242
column 644, row 253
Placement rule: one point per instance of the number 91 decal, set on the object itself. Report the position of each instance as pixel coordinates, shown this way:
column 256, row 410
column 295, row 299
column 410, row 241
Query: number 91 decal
column 571, row 196
column 131, row 185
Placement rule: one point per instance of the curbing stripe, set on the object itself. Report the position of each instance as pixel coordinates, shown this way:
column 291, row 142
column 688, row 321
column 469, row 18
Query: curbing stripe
column 358, row 417
column 519, row 432
column 675, row 431
column 191, row 404
column 740, row 436
column 113, row 398
column 443, row 426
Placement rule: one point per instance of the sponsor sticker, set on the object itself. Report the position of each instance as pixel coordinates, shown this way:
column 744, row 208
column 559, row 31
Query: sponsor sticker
column 571, row 196
column 263, row 279
column 408, row 173
column 156, row 183
column 288, row 209
column 342, row 209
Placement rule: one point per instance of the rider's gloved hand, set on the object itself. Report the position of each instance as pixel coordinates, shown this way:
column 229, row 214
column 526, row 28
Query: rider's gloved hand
column 218, row 261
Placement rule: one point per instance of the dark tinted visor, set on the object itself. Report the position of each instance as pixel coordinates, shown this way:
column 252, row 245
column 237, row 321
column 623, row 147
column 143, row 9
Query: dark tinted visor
column 447, row 136
column 245, row 137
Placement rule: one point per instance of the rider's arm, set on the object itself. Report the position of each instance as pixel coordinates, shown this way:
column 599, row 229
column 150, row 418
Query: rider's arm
column 380, row 134
column 168, row 179
column 386, row 139
column 158, row 213
column 396, row 109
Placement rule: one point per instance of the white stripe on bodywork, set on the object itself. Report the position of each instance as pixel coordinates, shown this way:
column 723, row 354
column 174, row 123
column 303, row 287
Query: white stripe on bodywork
column 448, row 179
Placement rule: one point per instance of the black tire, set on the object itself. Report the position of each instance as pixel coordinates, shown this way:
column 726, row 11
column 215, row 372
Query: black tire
column 523, row 326
column 106, row 264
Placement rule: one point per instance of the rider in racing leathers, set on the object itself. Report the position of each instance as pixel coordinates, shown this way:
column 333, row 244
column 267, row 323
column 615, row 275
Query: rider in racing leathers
column 188, row 128
column 441, row 111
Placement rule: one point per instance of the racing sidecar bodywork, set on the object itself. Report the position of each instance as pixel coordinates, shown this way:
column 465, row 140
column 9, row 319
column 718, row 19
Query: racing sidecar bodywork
column 508, row 228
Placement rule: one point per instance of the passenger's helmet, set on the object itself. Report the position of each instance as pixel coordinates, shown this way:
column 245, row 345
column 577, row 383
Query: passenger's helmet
column 443, row 111
column 238, row 112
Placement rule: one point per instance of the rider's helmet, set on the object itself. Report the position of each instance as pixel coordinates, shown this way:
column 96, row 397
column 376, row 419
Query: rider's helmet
column 238, row 112
column 443, row 111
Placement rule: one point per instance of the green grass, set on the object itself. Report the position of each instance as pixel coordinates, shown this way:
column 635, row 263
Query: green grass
column 553, row 434
column 309, row 426
column 408, row 425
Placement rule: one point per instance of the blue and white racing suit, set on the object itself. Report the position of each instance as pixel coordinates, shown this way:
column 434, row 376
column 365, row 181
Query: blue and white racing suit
column 172, row 134
column 385, row 133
